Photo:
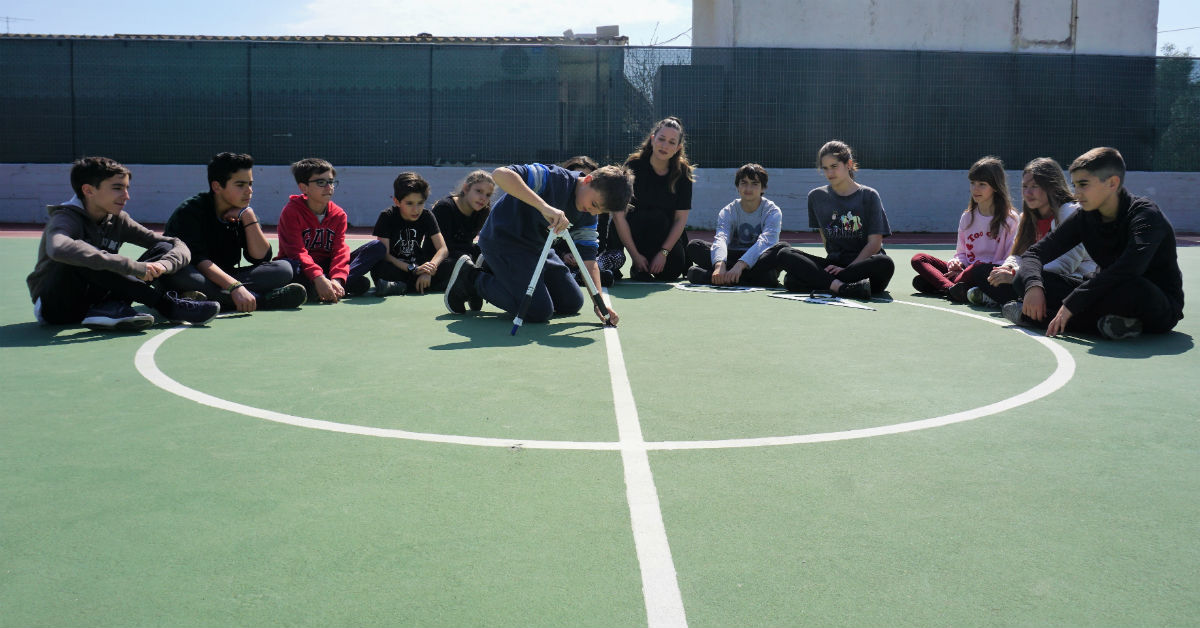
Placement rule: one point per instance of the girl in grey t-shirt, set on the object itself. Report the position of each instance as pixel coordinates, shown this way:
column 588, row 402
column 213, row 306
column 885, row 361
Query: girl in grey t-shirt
column 852, row 224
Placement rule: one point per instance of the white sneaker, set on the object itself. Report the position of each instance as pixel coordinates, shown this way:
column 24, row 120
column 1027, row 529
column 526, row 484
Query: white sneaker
column 1012, row 311
column 976, row 296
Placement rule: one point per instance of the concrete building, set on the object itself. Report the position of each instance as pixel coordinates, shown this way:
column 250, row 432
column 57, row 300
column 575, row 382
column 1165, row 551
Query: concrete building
column 1094, row 27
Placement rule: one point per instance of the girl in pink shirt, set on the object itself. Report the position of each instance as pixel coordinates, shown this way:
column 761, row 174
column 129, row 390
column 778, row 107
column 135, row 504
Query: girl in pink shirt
column 985, row 233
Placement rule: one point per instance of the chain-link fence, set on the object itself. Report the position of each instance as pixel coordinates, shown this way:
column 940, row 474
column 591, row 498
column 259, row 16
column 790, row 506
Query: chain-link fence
column 154, row 101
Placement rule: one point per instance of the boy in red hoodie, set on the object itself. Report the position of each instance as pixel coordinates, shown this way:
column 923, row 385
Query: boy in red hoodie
column 312, row 235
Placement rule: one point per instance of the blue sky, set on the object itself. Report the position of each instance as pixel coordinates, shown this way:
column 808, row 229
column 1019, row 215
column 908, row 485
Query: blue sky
column 645, row 22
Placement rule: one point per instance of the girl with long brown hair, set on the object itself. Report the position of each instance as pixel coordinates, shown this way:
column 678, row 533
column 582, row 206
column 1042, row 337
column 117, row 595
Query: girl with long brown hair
column 652, row 231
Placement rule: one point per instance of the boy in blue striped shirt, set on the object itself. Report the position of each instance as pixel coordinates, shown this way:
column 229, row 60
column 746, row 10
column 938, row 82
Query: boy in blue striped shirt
column 536, row 198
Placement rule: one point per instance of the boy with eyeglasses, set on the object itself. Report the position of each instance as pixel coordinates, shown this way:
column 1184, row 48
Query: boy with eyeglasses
column 312, row 236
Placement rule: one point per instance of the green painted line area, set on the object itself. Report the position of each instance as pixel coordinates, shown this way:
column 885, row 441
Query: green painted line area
column 125, row 505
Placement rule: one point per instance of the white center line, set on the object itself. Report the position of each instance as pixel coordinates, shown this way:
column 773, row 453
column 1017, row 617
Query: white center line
column 660, row 586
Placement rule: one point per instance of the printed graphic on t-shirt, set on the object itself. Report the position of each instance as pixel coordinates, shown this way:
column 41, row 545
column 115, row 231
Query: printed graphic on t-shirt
column 405, row 246
column 848, row 225
column 319, row 239
column 110, row 245
column 971, row 238
column 747, row 234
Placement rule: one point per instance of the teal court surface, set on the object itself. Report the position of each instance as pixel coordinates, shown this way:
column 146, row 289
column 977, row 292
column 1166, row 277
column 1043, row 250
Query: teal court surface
column 720, row 459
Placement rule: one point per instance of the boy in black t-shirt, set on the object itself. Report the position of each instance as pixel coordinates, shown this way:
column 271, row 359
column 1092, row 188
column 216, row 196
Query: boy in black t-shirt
column 220, row 227
column 399, row 258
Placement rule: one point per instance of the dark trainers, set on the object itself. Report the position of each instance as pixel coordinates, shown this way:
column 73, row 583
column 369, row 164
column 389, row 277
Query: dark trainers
column 976, row 296
column 922, row 285
column 385, row 288
column 698, row 276
column 116, row 315
column 1116, row 327
column 1012, row 311
column 284, row 297
column 187, row 310
column 606, row 278
column 461, row 287
column 860, row 290
column 958, row 292
column 357, row 286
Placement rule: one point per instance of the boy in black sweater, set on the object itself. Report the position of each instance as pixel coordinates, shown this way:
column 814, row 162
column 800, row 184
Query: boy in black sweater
column 1138, row 285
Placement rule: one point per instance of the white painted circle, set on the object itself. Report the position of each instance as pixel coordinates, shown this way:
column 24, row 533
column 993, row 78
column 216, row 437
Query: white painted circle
column 1064, row 370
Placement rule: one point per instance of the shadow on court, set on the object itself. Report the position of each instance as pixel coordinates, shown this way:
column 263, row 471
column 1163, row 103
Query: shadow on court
column 1142, row 347
column 33, row 334
column 638, row 290
column 492, row 330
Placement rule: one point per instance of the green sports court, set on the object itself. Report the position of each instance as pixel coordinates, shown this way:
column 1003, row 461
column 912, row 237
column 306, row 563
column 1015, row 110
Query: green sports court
column 720, row 459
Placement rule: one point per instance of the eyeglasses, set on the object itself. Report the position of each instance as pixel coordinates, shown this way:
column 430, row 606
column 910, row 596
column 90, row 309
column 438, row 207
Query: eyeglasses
column 324, row 183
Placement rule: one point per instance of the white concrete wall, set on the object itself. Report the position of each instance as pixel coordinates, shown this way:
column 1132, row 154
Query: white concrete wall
column 915, row 200
column 1116, row 27
column 924, row 200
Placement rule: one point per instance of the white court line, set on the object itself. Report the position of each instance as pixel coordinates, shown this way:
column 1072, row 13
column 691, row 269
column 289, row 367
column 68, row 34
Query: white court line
column 144, row 361
column 660, row 585
column 1064, row 371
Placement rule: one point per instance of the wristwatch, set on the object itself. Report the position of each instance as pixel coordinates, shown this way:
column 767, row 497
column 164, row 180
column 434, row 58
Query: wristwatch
column 665, row 252
column 412, row 268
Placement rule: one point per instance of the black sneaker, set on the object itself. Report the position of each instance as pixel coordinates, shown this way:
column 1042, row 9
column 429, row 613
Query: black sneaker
column 116, row 315
column 357, row 286
column 606, row 278
column 187, row 310
column 698, row 276
column 461, row 287
column 1116, row 327
column 1012, row 311
column 284, row 297
column 476, row 302
column 385, row 288
column 860, row 290
column 922, row 285
column 958, row 292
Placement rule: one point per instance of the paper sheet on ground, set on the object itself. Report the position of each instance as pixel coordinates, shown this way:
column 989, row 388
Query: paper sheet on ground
column 691, row 287
column 823, row 299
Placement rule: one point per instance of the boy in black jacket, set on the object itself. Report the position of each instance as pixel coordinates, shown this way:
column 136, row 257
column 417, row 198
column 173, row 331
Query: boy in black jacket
column 1138, row 285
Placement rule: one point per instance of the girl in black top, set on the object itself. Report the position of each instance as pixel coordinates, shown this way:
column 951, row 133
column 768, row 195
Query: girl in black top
column 652, row 231
column 462, row 214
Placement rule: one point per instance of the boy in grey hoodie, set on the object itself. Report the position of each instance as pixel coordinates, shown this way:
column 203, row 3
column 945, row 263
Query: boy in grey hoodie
column 80, row 277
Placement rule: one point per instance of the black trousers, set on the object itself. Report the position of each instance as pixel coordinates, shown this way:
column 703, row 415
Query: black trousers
column 259, row 279
column 764, row 272
column 372, row 257
column 1137, row 298
column 806, row 272
column 68, row 292
column 649, row 229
